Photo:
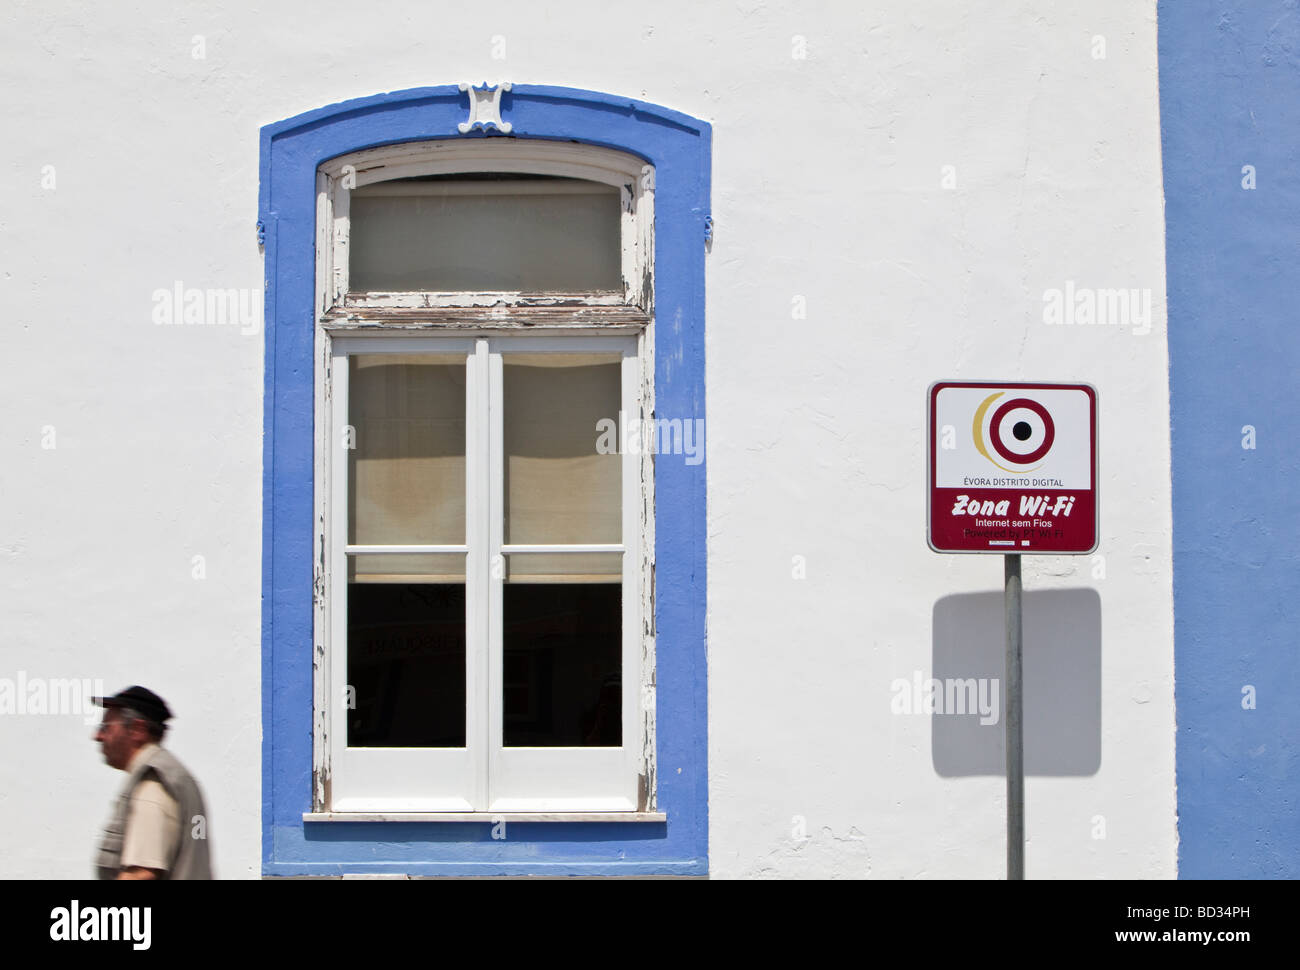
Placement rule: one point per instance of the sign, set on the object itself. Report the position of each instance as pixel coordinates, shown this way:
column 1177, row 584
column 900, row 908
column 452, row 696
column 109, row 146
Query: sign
column 1013, row 468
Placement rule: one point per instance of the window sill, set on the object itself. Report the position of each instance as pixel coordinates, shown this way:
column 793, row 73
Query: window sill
column 484, row 817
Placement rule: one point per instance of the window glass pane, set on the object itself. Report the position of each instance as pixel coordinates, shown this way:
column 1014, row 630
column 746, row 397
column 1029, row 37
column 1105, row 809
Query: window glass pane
column 406, row 462
column 562, row 665
column 485, row 232
column 559, row 487
column 406, row 659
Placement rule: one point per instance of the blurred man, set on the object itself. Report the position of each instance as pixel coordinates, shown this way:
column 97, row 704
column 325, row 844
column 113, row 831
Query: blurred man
column 158, row 827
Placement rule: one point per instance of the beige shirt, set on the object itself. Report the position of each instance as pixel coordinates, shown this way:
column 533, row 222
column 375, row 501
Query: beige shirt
column 152, row 823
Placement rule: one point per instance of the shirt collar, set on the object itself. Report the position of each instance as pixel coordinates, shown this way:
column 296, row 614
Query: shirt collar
column 142, row 754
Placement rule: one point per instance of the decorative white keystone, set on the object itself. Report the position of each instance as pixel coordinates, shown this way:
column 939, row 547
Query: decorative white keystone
column 485, row 108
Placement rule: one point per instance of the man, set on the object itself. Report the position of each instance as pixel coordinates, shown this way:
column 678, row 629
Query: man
column 158, row 827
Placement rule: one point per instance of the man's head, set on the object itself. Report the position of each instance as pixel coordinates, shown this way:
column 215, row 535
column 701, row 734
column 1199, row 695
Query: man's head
column 132, row 718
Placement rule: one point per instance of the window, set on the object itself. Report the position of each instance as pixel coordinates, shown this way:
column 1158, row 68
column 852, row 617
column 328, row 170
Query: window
column 483, row 650
column 503, row 292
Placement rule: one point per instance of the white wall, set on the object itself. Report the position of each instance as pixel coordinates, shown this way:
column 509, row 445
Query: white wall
column 826, row 185
column 827, row 176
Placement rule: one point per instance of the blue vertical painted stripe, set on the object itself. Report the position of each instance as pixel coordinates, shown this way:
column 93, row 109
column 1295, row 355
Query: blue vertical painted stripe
column 1229, row 98
column 679, row 148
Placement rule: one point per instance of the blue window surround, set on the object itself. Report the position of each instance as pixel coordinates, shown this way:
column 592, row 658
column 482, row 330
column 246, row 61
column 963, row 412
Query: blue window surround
column 679, row 148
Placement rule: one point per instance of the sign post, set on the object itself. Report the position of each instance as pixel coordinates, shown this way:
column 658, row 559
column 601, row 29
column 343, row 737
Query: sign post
column 1013, row 723
column 1012, row 471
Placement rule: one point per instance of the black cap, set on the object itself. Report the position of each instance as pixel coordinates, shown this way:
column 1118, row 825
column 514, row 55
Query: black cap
column 141, row 700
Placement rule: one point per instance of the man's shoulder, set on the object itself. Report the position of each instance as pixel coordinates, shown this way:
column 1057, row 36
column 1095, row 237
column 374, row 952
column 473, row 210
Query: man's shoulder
column 151, row 791
column 180, row 784
column 161, row 759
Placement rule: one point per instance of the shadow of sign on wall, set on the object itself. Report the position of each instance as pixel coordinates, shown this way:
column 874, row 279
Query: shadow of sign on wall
column 1062, row 683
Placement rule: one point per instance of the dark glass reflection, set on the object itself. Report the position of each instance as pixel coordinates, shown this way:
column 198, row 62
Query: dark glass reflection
column 563, row 665
column 406, row 663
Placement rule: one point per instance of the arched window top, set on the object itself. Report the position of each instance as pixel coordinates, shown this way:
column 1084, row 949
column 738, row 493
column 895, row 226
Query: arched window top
column 656, row 158
column 446, row 156
column 532, row 110
column 486, row 222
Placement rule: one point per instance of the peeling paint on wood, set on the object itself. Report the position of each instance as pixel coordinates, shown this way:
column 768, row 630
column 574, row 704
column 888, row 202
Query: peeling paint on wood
column 497, row 318
column 489, row 298
column 649, row 797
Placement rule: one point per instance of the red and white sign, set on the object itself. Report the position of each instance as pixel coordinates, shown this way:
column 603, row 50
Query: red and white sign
column 1013, row 468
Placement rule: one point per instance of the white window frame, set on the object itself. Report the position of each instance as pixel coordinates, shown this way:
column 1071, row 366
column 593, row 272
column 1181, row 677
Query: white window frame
column 587, row 784
column 337, row 178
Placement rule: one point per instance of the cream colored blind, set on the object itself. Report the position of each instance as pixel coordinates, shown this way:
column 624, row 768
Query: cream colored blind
column 438, row 567
column 567, row 567
column 406, row 483
column 558, row 488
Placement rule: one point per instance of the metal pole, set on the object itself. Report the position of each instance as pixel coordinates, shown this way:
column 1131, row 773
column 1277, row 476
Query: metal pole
column 1014, row 726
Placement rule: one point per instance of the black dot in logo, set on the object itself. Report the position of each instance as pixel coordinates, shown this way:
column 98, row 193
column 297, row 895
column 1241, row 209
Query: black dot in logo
column 1022, row 430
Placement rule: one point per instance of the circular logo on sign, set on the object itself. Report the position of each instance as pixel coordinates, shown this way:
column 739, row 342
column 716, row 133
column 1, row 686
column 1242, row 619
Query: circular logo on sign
column 1021, row 432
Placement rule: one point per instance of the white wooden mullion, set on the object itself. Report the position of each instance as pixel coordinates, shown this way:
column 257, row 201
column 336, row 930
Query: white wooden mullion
column 627, row 237
column 644, row 564
column 494, row 706
column 538, row 344
column 383, row 325
column 393, row 344
column 338, row 574
column 481, row 817
column 325, row 249
column 438, row 190
column 401, row 550
column 477, row 588
column 645, row 239
column 322, row 560
column 434, row 299
column 342, row 232
column 323, row 536
column 565, row 548
column 499, row 163
column 631, row 592
column 527, row 156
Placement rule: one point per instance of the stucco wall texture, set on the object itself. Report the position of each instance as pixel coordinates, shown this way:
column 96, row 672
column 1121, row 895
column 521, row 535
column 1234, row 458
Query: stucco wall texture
column 896, row 189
